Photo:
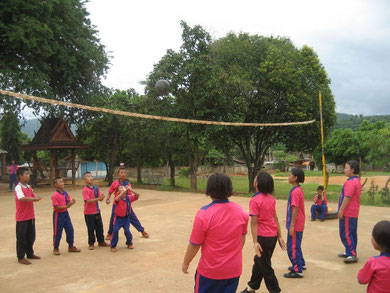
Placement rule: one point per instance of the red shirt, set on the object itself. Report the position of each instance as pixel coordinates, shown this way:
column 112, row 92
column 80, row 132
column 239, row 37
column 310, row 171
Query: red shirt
column 114, row 187
column 13, row 169
column 91, row 193
column 123, row 206
column 318, row 202
column 218, row 228
column 296, row 199
column 24, row 209
column 352, row 189
column 263, row 206
column 60, row 199
column 376, row 272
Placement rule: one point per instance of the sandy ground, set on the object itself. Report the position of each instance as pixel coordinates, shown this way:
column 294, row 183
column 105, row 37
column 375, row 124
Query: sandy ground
column 155, row 263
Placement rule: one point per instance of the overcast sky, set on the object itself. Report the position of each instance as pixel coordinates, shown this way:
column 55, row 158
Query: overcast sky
column 351, row 37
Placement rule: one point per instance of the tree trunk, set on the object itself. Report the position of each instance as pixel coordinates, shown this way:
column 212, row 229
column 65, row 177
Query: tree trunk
column 194, row 168
column 172, row 170
column 110, row 172
column 252, row 172
column 139, row 169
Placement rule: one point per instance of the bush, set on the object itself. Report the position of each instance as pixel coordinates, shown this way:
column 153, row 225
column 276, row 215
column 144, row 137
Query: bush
column 184, row 172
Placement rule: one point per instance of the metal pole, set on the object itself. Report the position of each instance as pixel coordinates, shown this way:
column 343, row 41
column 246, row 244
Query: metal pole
column 322, row 143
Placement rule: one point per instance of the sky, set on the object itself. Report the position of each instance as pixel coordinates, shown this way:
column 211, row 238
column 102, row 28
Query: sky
column 351, row 38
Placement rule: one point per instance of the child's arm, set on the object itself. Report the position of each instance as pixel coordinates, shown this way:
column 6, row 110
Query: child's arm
column 315, row 198
column 365, row 274
column 345, row 203
column 27, row 199
column 256, row 245
column 92, row 200
column 282, row 244
column 121, row 194
column 70, row 203
column 293, row 219
column 192, row 250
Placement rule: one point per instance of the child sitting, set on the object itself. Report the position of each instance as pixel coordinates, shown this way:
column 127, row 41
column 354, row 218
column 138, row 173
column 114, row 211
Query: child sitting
column 320, row 204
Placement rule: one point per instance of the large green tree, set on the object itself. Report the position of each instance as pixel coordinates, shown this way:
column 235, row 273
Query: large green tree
column 267, row 79
column 192, row 77
column 11, row 137
column 51, row 49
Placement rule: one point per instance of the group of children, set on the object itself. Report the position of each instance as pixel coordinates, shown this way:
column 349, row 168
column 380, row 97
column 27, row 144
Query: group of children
column 219, row 231
column 122, row 214
column 219, row 228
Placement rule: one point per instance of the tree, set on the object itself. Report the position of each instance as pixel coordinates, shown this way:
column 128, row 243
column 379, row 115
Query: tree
column 192, row 77
column 342, row 146
column 269, row 80
column 11, row 136
column 378, row 143
column 51, row 49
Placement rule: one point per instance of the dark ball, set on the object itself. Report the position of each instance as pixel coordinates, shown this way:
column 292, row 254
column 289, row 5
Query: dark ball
column 162, row 87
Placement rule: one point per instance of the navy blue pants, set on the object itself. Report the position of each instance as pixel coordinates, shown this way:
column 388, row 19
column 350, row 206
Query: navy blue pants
column 318, row 208
column 294, row 251
column 133, row 221
column 206, row 285
column 121, row 222
column 12, row 180
column 348, row 234
column 62, row 221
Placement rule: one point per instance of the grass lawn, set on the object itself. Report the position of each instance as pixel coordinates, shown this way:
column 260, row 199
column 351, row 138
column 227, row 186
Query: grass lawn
column 339, row 173
column 282, row 189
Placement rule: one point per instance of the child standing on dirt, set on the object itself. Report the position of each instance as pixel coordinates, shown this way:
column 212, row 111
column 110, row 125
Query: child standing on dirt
column 320, row 204
column 133, row 218
column 219, row 229
column 61, row 219
column 25, row 218
column 122, row 216
column 295, row 224
column 93, row 219
column 348, row 211
column 265, row 230
column 376, row 271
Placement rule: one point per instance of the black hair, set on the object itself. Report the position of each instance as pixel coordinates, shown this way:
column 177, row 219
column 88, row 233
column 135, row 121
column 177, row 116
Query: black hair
column 56, row 179
column 354, row 165
column 381, row 234
column 320, row 187
column 219, row 186
column 265, row 183
column 21, row 171
column 298, row 172
column 85, row 173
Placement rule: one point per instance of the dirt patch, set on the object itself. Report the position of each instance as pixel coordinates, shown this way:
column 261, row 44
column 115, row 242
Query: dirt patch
column 155, row 263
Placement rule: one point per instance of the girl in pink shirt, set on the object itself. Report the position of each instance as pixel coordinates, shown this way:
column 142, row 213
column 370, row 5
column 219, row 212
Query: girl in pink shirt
column 219, row 230
column 376, row 271
column 265, row 230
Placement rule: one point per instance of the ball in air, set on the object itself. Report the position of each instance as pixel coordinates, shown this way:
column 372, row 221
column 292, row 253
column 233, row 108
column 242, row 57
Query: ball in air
column 162, row 87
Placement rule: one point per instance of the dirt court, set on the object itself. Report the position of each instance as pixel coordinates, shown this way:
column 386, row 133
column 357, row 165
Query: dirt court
column 155, row 263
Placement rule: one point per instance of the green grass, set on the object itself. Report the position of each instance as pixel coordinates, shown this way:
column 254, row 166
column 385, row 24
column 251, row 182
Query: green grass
column 339, row 173
column 282, row 189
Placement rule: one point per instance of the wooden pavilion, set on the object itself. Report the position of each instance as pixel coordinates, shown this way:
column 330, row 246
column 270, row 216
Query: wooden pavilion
column 54, row 135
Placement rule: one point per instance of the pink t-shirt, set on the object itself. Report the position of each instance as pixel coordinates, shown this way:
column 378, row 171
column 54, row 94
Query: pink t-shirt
column 263, row 206
column 24, row 209
column 114, row 188
column 60, row 199
column 218, row 228
column 296, row 199
column 352, row 188
column 91, row 193
column 319, row 202
column 376, row 272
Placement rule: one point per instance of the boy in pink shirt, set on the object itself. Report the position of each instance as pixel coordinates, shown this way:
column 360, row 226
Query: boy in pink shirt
column 320, row 204
column 295, row 224
column 25, row 218
column 376, row 271
column 122, row 216
column 266, row 232
column 92, row 216
column 61, row 219
column 219, row 229
column 349, row 205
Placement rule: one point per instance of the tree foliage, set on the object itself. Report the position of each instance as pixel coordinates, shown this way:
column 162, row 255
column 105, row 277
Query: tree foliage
column 51, row 49
column 11, row 138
